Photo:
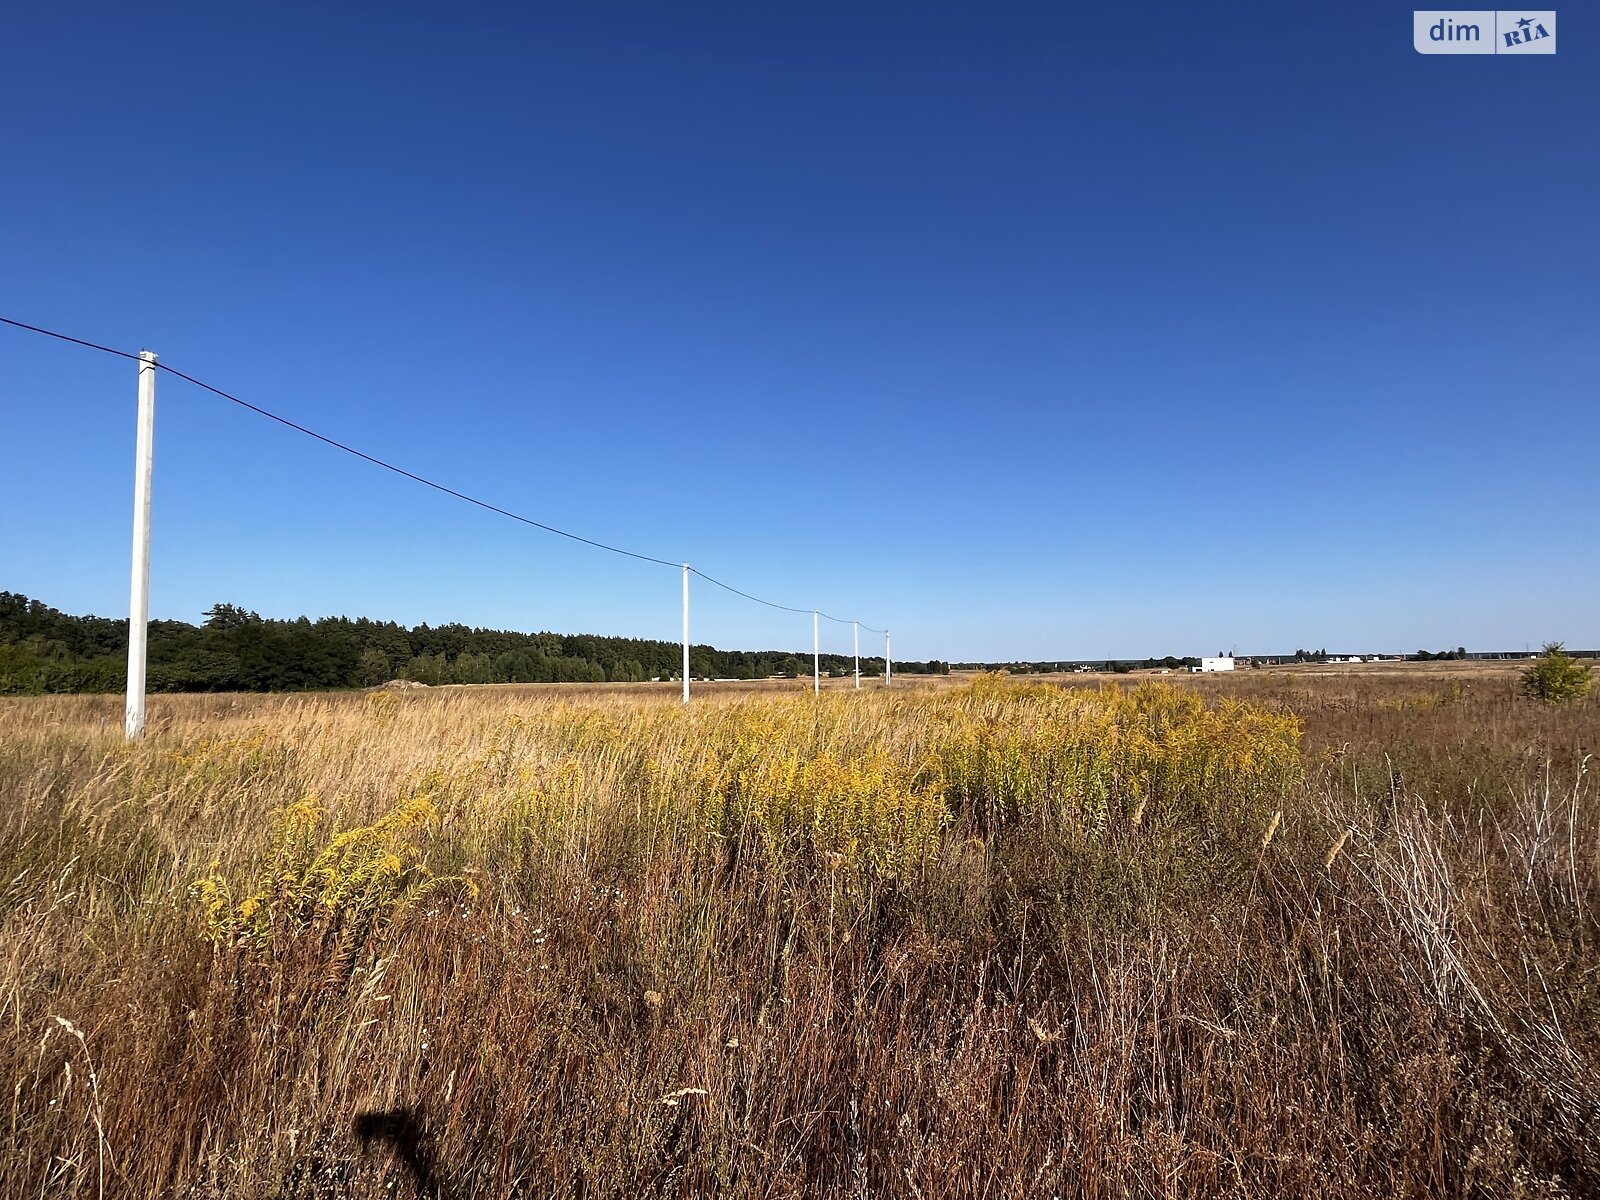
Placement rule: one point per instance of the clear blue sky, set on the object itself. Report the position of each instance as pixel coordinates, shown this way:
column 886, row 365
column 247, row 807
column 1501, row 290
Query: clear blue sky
column 1032, row 331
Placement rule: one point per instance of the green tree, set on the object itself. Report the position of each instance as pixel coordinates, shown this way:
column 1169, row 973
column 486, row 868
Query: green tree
column 427, row 668
column 229, row 616
column 375, row 668
column 472, row 668
column 1556, row 676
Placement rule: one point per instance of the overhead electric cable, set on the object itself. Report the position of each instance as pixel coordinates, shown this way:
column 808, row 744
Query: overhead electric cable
column 389, row 466
column 413, row 476
column 75, row 341
column 728, row 588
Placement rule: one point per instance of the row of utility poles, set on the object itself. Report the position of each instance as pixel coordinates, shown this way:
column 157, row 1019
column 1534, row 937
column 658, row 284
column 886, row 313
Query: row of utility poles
column 139, row 599
column 816, row 647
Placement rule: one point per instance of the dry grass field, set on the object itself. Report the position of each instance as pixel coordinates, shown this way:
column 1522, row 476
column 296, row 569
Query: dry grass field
column 1303, row 932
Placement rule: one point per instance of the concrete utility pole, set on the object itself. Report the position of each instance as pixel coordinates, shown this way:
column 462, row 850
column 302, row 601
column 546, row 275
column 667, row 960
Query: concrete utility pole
column 686, row 633
column 816, row 657
column 888, row 663
column 857, row 631
column 139, row 595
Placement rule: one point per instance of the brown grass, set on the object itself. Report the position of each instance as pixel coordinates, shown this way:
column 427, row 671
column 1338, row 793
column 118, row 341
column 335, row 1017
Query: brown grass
column 943, row 942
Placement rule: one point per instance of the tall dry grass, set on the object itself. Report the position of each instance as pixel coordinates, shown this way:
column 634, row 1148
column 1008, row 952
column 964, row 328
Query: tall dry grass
column 998, row 940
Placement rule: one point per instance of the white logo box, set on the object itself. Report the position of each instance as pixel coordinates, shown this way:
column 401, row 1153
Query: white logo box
column 1484, row 31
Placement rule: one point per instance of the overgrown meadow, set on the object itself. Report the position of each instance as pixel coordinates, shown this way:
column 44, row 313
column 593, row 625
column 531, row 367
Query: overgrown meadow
column 1281, row 935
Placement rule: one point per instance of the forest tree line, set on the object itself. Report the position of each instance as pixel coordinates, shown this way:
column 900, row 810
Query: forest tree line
column 43, row 650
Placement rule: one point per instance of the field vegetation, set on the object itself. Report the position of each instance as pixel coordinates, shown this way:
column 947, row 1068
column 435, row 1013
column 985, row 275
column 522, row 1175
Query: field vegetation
column 1558, row 677
column 1280, row 934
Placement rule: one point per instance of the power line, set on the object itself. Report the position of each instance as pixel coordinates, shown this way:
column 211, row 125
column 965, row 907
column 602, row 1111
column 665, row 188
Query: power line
column 389, row 466
column 411, row 475
column 729, row 588
column 75, row 341
column 842, row 621
column 782, row 607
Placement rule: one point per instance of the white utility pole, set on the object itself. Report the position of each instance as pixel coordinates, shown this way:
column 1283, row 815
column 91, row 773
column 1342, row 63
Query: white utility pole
column 686, row 633
column 857, row 628
column 888, row 663
column 816, row 657
column 139, row 596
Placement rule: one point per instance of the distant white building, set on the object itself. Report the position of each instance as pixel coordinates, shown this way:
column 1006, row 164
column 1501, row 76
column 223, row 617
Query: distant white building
column 1224, row 663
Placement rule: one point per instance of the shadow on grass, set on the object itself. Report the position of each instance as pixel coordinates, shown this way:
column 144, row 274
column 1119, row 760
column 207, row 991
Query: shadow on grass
column 400, row 1129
